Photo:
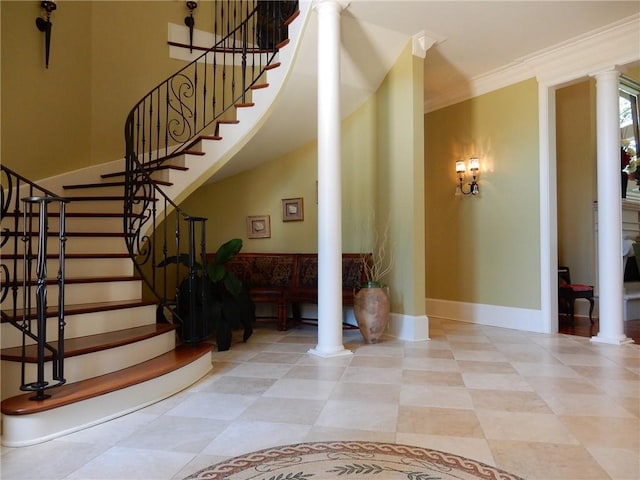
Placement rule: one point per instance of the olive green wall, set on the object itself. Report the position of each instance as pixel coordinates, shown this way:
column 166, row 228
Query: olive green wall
column 576, row 179
column 381, row 181
column 104, row 57
column 485, row 249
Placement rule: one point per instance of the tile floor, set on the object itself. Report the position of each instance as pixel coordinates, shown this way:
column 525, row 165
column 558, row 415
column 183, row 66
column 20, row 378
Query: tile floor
column 540, row 406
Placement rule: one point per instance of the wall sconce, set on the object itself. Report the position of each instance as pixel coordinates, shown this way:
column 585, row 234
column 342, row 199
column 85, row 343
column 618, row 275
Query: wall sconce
column 474, row 168
column 190, row 22
column 45, row 26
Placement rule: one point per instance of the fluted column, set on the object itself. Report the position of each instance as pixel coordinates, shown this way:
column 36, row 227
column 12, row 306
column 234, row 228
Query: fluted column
column 329, row 182
column 610, row 270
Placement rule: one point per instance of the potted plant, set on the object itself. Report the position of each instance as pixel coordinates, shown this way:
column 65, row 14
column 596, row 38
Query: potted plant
column 371, row 301
column 223, row 303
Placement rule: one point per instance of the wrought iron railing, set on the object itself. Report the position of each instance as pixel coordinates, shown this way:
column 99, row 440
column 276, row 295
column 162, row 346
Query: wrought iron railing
column 173, row 116
column 23, row 271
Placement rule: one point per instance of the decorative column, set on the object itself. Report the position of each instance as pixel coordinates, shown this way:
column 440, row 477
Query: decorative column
column 610, row 270
column 329, row 182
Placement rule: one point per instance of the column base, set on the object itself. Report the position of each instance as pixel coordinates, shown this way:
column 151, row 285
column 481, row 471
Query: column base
column 329, row 354
column 621, row 340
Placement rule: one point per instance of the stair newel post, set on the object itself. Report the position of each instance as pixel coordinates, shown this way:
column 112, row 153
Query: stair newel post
column 58, row 366
column 41, row 295
column 204, row 330
column 197, row 329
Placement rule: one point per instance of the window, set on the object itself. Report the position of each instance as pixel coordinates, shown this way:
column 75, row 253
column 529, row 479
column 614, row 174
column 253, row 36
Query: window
column 630, row 135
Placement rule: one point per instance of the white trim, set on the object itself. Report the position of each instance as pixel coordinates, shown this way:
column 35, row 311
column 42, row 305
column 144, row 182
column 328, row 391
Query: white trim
column 491, row 315
column 548, row 209
column 412, row 328
column 421, row 42
column 614, row 44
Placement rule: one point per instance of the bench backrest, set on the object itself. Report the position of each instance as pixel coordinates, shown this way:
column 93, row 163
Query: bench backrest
column 287, row 270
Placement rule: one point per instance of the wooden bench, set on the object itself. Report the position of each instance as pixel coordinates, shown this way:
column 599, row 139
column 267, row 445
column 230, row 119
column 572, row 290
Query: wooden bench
column 287, row 279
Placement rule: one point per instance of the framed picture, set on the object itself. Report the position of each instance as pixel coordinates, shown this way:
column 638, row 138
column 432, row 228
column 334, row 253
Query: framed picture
column 292, row 210
column 258, row 226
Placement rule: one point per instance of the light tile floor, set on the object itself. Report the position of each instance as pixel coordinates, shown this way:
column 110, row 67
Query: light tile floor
column 540, row 406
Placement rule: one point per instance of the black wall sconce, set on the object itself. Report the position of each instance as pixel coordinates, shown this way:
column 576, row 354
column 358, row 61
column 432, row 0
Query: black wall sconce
column 45, row 26
column 191, row 22
column 474, row 169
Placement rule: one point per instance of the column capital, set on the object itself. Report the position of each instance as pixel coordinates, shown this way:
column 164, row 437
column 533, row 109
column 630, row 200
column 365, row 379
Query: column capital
column 337, row 5
column 609, row 71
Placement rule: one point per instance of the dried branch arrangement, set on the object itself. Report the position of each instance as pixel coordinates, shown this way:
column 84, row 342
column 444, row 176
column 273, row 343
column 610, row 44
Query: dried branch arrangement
column 381, row 261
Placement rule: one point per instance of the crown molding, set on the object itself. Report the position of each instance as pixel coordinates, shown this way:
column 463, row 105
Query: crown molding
column 608, row 47
column 421, row 42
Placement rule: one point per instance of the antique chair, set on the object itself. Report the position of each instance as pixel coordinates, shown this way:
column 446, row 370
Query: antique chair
column 569, row 292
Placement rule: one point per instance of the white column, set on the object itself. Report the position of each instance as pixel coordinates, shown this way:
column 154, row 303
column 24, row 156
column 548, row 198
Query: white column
column 610, row 271
column 329, row 183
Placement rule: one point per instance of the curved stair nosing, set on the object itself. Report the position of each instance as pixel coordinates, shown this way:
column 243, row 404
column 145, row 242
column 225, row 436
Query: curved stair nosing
column 91, row 364
column 21, row 430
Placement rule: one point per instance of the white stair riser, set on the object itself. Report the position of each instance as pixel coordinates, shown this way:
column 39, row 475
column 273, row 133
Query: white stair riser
column 79, row 224
column 90, row 365
column 84, row 324
column 69, row 193
column 84, row 267
column 79, row 293
column 24, row 430
column 80, row 245
column 88, row 206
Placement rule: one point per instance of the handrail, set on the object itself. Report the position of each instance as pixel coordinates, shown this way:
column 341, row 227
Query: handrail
column 171, row 117
column 17, row 292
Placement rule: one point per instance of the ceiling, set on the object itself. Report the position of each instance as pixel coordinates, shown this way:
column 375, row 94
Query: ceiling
column 471, row 38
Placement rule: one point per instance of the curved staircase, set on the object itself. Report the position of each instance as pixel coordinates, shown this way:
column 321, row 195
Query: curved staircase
column 120, row 354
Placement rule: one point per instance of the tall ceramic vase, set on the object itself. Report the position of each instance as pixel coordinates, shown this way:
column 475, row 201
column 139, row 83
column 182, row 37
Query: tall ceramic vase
column 371, row 309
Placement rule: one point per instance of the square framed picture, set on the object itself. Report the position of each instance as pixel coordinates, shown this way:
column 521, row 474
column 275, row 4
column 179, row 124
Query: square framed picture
column 258, row 226
column 292, row 210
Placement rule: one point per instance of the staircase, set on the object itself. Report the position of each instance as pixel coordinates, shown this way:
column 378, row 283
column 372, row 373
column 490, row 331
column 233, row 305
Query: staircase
column 120, row 347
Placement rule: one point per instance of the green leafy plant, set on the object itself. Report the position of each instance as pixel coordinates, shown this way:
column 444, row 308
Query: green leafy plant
column 222, row 299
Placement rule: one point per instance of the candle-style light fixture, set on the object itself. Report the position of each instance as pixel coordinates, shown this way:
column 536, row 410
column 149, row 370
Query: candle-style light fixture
column 191, row 22
column 45, row 26
column 474, row 169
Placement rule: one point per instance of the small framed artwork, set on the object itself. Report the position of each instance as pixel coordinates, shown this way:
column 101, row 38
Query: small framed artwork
column 258, row 226
column 292, row 210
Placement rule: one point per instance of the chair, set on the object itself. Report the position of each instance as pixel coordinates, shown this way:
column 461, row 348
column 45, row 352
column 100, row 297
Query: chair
column 569, row 292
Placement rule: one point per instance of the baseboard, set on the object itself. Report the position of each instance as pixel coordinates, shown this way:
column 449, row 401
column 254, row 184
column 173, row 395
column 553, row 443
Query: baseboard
column 413, row 328
column 491, row 315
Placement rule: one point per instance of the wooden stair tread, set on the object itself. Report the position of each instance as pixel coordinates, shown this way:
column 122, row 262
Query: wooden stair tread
column 293, row 16
column 90, row 343
column 229, row 122
column 258, row 86
column 80, row 280
column 73, row 214
column 80, row 308
column 151, row 169
column 271, row 66
column 245, row 105
column 80, row 186
column 52, row 233
column 93, row 387
column 68, row 256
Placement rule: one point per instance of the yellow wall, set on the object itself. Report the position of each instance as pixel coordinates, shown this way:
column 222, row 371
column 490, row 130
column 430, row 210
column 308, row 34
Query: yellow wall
column 104, row 57
column 576, row 179
column 46, row 114
column 485, row 249
column 381, row 181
